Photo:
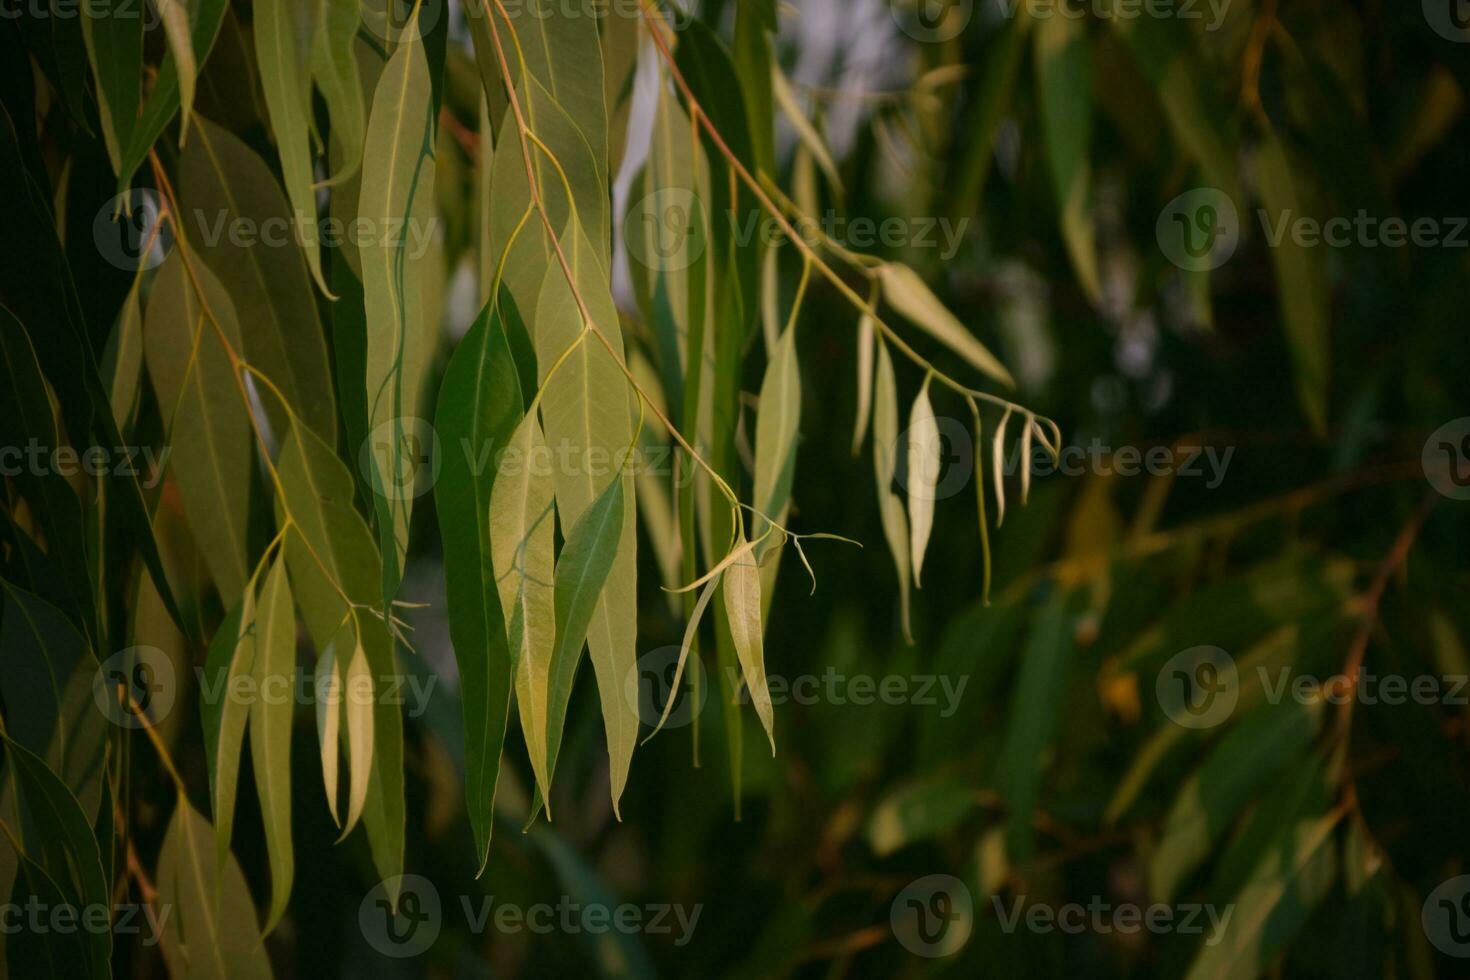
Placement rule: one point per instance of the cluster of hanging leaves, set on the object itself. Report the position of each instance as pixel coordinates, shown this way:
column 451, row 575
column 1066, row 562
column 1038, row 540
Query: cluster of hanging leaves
column 287, row 386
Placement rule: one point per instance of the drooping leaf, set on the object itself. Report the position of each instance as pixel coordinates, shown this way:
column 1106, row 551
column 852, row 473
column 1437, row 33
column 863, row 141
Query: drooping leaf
column 174, row 16
column 778, row 420
column 396, row 201
column 522, row 529
column 480, row 405
column 226, row 189
column 225, row 716
column 885, row 463
column 278, row 53
column 334, row 69
column 586, row 411
column 115, row 48
column 581, row 573
column 923, row 468
column 1064, row 81
column 742, row 595
column 210, row 930
column 908, row 294
column 204, row 410
column 271, row 716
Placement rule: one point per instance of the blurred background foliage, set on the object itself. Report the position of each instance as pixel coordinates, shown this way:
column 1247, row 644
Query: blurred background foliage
column 1059, row 778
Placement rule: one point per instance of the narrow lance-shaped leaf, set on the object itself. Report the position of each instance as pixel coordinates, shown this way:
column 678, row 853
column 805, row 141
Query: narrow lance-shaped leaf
column 1064, row 80
column 586, row 409
column 277, row 54
column 522, row 529
column 223, row 181
column 480, row 405
column 115, row 49
column 885, row 460
column 225, row 716
column 207, row 420
column 175, row 18
column 908, row 294
column 742, row 594
column 924, row 462
column 778, row 419
column 271, row 716
column 581, row 572
column 207, row 916
column 866, row 343
column 396, row 202
column 335, row 71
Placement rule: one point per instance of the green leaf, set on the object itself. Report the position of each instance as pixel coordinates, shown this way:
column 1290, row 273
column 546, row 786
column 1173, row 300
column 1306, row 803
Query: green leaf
column 1033, row 721
column 175, row 18
column 1263, row 744
column 923, row 475
column 221, row 182
column 58, row 836
column 581, row 572
column 271, row 716
column 777, row 422
column 585, row 409
column 207, row 421
column 908, row 294
column 1302, row 283
column 742, row 595
column 210, row 931
column 522, row 538
column 1280, row 896
column 224, row 716
column 113, row 31
column 41, row 952
column 885, row 462
column 277, row 52
column 334, row 69
column 1064, row 81
column 396, row 202
column 480, row 405
column 164, row 97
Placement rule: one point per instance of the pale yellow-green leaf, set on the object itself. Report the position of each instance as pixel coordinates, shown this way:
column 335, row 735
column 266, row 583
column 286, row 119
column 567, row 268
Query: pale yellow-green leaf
column 174, row 15
column 910, row 296
column 328, row 685
column 357, row 705
column 804, row 129
column 522, row 529
column 277, row 53
column 271, row 717
column 742, row 595
column 866, row 342
column 587, row 414
column 334, row 69
column 924, row 462
column 205, row 415
column 885, row 461
column 778, row 419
